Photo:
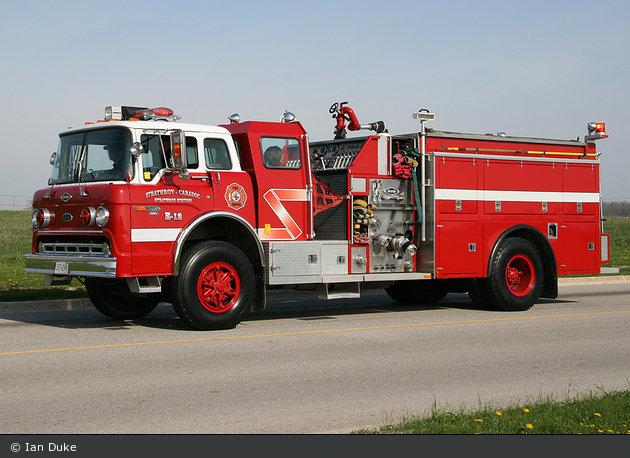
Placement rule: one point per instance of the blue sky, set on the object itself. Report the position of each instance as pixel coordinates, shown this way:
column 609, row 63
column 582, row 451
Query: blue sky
column 529, row 68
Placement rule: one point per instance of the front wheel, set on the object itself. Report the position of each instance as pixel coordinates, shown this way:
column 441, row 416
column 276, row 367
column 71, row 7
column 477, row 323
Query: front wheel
column 215, row 287
column 516, row 276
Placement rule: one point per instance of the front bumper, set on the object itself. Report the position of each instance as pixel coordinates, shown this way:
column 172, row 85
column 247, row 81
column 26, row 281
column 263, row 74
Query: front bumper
column 77, row 266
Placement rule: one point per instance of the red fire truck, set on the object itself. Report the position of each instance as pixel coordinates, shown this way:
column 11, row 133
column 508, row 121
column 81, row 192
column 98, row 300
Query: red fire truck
column 143, row 209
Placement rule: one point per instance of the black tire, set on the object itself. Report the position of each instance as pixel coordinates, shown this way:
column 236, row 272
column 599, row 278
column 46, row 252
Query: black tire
column 215, row 286
column 113, row 299
column 477, row 294
column 516, row 276
column 417, row 292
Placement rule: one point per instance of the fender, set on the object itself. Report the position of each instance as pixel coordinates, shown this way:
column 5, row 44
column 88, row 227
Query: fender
column 183, row 236
column 540, row 241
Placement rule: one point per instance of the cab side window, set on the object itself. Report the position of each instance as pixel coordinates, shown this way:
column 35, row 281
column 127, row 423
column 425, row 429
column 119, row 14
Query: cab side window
column 281, row 153
column 153, row 154
column 157, row 147
column 191, row 153
column 216, row 154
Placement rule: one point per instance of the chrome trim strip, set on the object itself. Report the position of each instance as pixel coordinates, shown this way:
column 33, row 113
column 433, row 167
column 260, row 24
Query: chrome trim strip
column 506, row 139
column 46, row 231
column 517, row 158
column 78, row 266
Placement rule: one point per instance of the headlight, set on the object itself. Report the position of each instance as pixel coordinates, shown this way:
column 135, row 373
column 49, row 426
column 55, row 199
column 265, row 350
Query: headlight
column 88, row 215
column 42, row 217
column 102, row 216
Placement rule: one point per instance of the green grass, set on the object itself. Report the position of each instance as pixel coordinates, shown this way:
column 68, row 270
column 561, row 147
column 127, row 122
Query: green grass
column 602, row 413
column 15, row 284
column 619, row 229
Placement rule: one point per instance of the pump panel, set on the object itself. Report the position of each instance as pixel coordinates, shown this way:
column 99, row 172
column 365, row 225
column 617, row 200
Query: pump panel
column 393, row 216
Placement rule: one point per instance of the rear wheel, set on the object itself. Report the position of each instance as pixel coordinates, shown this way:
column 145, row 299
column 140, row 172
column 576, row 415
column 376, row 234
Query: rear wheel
column 417, row 292
column 516, row 276
column 477, row 293
column 215, row 287
column 113, row 299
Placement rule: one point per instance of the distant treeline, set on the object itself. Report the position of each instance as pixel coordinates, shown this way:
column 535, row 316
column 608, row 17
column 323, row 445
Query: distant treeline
column 616, row 208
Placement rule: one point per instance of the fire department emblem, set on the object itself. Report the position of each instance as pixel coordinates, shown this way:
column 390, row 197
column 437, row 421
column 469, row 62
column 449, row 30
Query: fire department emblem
column 235, row 196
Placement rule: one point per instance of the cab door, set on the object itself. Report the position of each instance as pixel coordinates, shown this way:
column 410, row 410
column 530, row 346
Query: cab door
column 230, row 185
column 163, row 204
column 284, row 207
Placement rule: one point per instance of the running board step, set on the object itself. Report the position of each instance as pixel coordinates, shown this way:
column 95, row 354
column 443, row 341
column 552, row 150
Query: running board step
column 339, row 290
column 144, row 285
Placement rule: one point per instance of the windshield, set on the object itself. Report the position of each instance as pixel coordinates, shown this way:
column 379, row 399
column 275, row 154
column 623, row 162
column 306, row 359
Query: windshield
column 106, row 156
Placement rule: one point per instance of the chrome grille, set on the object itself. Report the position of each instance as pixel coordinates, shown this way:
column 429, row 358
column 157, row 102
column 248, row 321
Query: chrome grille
column 70, row 248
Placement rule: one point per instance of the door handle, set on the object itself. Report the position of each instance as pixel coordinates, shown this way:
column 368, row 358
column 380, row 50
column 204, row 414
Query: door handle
column 215, row 176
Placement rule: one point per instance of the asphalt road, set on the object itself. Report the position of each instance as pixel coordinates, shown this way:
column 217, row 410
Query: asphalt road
column 304, row 365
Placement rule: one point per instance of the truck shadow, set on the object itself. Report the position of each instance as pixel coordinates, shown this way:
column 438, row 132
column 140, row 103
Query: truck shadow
column 318, row 309
column 305, row 307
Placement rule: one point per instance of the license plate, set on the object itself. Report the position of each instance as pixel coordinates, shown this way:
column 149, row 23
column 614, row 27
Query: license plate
column 61, row 268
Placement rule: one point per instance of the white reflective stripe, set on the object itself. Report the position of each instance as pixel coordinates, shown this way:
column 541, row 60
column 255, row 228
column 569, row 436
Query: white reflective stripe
column 154, row 235
column 456, row 194
column 515, row 196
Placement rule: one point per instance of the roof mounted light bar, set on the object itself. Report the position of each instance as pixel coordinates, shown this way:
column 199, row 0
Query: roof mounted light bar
column 126, row 113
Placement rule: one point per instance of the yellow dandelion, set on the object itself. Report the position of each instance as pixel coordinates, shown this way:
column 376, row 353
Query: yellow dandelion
column 598, row 414
column 600, row 431
column 525, row 410
column 499, row 413
column 610, row 430
column 479, row 420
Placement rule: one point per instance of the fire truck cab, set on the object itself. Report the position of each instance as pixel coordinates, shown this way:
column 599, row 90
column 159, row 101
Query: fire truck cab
column 145, row 209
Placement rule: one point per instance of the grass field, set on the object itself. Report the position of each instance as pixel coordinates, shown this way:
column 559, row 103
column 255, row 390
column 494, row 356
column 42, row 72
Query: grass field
column 619, row 229
column 15, row 242
column 594, row 413
column 15, row 284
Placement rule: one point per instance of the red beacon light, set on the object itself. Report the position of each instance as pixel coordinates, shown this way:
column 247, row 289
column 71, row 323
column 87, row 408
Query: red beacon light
column 126, row 113
column 154, row 113
column 596, row 130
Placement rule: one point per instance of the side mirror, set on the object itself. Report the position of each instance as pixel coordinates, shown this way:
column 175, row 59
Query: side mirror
column 136, row 149
column 178, row 150
column 53, row 157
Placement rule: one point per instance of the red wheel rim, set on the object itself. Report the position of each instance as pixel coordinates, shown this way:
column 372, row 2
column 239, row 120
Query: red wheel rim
column 218, row 287
column 520, row 275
